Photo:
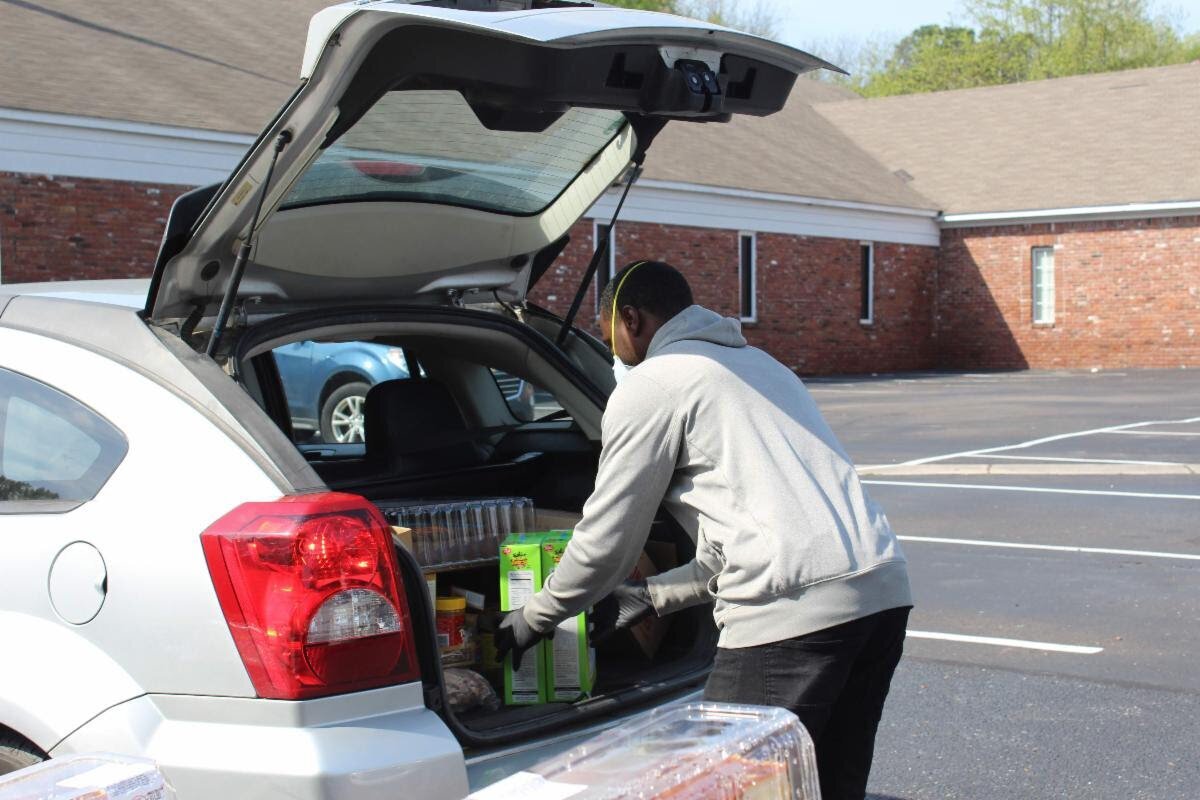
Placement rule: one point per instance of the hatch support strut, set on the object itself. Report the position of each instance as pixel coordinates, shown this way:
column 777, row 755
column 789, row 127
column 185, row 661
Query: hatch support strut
column 601, row 253
column 239, row 263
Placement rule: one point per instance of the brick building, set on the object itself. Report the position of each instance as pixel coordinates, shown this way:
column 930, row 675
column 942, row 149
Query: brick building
column 1048, row 224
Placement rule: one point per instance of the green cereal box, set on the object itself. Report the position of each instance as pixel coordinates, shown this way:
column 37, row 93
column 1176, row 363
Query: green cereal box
column 569, row 666
column 521, row 575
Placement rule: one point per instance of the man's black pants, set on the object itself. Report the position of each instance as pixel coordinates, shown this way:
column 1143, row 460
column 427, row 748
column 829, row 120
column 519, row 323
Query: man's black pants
column 835, row 680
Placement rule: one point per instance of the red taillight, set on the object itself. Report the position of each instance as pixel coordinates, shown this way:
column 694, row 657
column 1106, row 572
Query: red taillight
column 311, row 590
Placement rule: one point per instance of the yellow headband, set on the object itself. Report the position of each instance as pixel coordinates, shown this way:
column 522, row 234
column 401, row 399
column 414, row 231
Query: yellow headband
column 612, row 334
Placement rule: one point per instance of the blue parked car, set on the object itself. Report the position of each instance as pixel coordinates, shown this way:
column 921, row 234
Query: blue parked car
column 327, row 382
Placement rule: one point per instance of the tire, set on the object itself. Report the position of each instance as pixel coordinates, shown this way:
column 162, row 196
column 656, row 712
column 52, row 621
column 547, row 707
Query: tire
column 16, row 753
column 341, row 413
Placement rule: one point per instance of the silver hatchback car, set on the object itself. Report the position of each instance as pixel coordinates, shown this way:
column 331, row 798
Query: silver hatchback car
column 185, row 577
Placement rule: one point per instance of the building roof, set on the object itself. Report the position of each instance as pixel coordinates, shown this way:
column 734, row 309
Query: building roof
column 225, row 65
column 1088, row 140
column 794, row 151
column 228, row 65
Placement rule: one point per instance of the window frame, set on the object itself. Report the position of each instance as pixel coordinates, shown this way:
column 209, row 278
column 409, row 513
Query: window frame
column 866, row 282
column 752, row 236
column 113, row 444
column 1037, row 307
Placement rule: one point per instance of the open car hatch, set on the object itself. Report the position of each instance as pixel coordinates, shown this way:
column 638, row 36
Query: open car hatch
column 433, row 153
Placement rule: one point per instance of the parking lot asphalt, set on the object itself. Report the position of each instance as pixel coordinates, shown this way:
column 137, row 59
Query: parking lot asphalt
column 1052, row 526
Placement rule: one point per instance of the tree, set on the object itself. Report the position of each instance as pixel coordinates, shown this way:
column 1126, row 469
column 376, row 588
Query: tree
column 1018, row 40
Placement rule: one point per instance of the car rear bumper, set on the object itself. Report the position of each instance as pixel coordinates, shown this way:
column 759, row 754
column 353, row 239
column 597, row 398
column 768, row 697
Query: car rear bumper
column 377, row 744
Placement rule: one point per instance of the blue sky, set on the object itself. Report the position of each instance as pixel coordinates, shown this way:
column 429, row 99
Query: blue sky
column 809, row 21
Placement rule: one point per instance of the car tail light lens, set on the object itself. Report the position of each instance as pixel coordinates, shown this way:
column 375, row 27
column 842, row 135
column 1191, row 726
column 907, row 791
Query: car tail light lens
column 312, row 593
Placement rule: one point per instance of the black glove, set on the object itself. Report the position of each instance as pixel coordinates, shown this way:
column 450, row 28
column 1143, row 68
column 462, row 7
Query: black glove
column 628, row 605
column 513, row 635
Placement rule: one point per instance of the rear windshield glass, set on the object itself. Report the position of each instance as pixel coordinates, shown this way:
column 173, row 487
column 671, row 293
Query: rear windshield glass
column 428, row 146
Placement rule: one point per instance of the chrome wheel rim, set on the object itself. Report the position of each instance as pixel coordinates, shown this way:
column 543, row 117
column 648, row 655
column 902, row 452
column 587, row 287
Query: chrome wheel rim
column 347, row 420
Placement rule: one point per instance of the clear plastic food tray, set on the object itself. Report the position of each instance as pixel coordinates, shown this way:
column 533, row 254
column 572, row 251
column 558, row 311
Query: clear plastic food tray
column 92, row 776
column 709, row 751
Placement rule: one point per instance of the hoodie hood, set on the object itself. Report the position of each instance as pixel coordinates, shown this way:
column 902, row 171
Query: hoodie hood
column 697, row 324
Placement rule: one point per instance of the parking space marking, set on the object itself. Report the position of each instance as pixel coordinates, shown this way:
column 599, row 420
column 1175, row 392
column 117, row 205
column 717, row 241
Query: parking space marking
column 999, row 642
column 1048, row 439
column 1027, row 469
column 1040, row 489
column 1062, row 548
column 1156, row 433
column 1080, row 460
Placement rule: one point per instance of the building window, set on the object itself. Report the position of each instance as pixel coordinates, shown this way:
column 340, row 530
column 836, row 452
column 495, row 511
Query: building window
column 866, row 301
column 1043, row 285
column 747, row 277
column 608, row 267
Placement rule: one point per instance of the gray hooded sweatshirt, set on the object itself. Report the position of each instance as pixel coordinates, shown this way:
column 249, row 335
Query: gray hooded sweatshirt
column 730, row 441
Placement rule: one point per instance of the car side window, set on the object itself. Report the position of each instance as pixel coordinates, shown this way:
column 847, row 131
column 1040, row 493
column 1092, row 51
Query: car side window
column 55, row 452
column 527, row 402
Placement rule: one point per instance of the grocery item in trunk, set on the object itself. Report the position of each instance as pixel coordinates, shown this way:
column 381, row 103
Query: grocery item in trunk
column 698, row 751
column 521, row 576
column 570, row 662
column 467, row 690
column 455, row 642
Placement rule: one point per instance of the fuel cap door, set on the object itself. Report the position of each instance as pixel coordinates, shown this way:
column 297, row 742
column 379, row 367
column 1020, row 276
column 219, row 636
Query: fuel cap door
column 78, row 583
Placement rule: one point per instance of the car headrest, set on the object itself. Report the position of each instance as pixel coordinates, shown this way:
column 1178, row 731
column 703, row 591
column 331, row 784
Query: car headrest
column 415, row 425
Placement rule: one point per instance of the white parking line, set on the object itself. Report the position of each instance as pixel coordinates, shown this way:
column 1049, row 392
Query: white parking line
column 1062, row 548
column 1079, row 460
column 1040, row 489
column 1047, row 439
column 999, row 642
column 1156, row 433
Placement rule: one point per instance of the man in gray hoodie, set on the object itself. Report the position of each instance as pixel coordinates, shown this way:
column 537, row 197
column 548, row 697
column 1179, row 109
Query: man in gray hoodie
column 810, row 588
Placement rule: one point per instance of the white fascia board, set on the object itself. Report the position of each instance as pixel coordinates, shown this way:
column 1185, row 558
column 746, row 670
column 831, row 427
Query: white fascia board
column 1077, row 213
column 90, row 147
column 698, row 206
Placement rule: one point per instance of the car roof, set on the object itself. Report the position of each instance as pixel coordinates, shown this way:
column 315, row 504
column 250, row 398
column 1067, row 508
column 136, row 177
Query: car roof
column 124, row 292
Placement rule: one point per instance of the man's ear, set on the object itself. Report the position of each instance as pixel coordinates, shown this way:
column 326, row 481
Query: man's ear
column 632, row 319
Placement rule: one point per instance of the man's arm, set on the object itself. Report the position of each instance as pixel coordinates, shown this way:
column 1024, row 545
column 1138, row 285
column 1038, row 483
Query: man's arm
column 682, row 587
column 641, row 439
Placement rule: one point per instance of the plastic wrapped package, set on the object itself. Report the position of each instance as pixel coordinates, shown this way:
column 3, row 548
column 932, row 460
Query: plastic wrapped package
column 467, row 690
column 91, row 776
column 698, row 751
column 454, row 533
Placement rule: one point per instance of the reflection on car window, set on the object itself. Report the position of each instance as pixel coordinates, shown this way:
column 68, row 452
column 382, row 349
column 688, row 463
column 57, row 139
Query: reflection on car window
column 326, row 385
column 52, row 447
column 429, row 146
column 527, row 402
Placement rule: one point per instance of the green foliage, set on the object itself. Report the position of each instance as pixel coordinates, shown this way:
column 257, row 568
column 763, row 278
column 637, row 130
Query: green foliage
column 20, row 490
column 1020, row 40
column 646, row 5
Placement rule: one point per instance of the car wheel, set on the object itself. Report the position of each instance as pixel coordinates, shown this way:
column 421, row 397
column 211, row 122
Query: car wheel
column 16, row 753
column 342, row 414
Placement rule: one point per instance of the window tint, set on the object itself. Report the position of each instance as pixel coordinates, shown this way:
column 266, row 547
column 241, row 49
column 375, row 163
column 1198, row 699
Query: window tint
column 428, row 146
column 52, row 447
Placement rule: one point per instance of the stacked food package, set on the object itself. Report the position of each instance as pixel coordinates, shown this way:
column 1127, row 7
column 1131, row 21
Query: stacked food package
column 91, row 776
column 698, row 751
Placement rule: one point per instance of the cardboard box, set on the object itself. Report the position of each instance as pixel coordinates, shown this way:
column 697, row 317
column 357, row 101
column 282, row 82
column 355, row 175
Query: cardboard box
column 549, row 519
column 404, row 536
column 570, row 662
column 650, row 631
column 521, row 577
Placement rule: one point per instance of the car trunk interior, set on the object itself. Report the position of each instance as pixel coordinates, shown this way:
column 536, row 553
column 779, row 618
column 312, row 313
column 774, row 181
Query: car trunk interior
column 478, row 452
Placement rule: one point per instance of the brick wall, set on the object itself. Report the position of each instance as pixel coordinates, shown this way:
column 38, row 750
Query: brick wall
column 808, row 293
column 1127, row 294
column 55, row 228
